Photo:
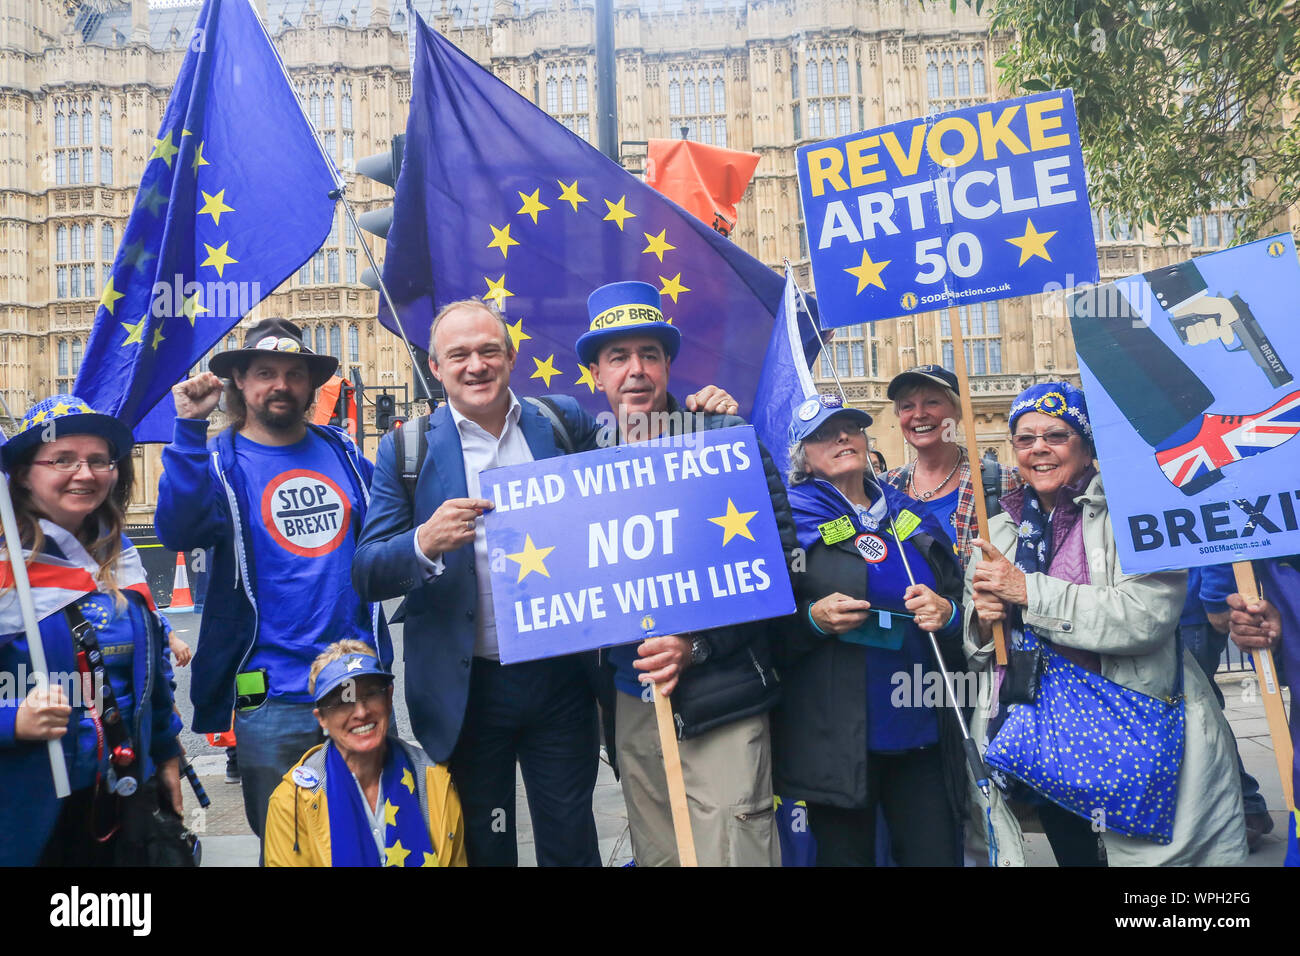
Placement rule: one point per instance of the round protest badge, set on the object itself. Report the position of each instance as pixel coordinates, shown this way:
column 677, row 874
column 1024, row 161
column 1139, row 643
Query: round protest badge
column 872, row 547
column 305, row 512
column 305, row 777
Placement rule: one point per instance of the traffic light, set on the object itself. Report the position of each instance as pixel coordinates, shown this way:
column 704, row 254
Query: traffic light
column 382, row 168
column 385, row 407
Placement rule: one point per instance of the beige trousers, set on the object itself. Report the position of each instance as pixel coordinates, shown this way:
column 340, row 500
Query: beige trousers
column 728, row 775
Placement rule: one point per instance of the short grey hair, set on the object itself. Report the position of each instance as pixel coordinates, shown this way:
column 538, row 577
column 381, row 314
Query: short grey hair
column 474, row 303
column 907, row 391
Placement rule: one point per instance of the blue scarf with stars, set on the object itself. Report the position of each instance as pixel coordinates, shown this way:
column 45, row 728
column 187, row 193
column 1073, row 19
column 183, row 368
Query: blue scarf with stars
column 406, row 832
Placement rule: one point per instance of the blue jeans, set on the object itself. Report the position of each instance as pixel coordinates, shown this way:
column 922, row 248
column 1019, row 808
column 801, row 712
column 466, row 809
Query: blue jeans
column 271, row 739
column 1206, row 645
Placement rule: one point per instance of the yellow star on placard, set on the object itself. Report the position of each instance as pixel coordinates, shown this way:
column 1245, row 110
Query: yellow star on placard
column 501, row 239
column 1032, row 243
column 517, row 333
column 198, row 159
column 430, row 859
column 153, row 199
column 530, row 559
column 109, row 299
column 214, row 206
column 570, row 195
column 497, row 290
column 157, row 337
column 218, row 258
column 673, row 286
column 545, row 370
column 395, row 855
column 390, row 814
column 532, row 205
column 135, row 332
column 867, row 272
column 734, row 523
column 585, row 378
column 657, row 244
column 407, row 780
column 617, row 213
column 193, row 307
column 165, row 150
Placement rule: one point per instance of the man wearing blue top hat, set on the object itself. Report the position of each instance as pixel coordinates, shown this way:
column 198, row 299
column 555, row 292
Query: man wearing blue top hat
column 721, row 682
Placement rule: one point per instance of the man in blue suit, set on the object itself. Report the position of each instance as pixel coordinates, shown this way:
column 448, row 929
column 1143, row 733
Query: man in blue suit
column 466, row 708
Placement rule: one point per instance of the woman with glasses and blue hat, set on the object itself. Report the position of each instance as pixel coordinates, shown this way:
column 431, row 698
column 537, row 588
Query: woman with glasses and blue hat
column 1101, row 725
column 364, row 797
column 863, row 723
column 70, row 478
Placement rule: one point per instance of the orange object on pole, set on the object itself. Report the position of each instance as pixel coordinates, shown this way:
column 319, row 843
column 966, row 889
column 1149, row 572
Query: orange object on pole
column 182, row 600
column 328, row 399
column 707, row 181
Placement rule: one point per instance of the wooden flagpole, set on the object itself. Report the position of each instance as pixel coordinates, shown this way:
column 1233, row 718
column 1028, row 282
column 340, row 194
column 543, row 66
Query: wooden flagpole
column 676, row 784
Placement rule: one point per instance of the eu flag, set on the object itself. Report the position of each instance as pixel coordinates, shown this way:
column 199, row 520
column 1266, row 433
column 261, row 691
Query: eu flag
column 496, row 199
column 234, row 198
column 785, row 381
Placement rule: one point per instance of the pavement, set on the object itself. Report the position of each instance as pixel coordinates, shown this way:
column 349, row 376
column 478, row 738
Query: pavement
column 227, row 840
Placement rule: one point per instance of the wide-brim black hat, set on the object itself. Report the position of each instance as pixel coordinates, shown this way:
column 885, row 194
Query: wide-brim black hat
column 277, row 337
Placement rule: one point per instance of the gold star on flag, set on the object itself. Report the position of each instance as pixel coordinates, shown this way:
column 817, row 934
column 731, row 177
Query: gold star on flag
column 390, row 814
column 109, row 299
column 734, row 523
column 517, row 333
column 532, row 205
column 407, row 780
column 157, row 337
column 136, row 255
column 585, row 378
column 1032, row 243
column 570, row 194
column 617, row 213
column 395, row 855
column 530, row 559
column 657, row 244
column 165, row 150
column 198, row 159
column 673, row 286
column 153, row 199
column 135, row 333
column 867, row 272
column 214, row 206
column 193, row 307
column 430, row 859
column 501, row 239
column 497, row 290
column 218, row 258
column 545, row 370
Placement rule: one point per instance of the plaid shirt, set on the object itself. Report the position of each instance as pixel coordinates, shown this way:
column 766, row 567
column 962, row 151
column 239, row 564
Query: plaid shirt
column 964, row 524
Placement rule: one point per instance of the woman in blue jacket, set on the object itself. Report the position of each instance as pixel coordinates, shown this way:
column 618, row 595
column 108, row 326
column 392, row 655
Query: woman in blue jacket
column 70, row 478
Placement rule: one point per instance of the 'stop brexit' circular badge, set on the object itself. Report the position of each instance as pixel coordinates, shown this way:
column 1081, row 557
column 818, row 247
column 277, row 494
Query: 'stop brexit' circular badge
column 305, row 512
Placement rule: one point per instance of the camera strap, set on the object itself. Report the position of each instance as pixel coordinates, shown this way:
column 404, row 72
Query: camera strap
column 110, row 729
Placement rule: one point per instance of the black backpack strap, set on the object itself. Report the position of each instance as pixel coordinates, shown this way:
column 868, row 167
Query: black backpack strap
column 548, row 408
column 991, row 478
column 412, row 446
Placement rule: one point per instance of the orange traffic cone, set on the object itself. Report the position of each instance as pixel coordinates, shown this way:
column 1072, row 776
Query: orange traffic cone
column 182, row 600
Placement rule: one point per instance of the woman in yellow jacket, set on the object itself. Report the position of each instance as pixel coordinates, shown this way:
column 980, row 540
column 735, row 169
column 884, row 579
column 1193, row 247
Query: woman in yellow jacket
column 362, row 798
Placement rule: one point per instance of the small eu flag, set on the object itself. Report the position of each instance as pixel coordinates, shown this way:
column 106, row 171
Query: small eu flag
column 786, row 380
column 234, row 198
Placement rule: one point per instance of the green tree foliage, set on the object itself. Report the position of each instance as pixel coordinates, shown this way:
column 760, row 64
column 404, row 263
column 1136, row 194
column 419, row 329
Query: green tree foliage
column 1183, row 104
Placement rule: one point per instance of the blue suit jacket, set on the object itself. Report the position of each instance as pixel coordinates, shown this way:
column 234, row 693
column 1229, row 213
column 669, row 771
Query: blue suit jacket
column 438, row 634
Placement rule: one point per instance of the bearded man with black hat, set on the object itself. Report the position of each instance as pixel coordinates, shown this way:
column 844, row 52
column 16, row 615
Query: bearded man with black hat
column 279, row 504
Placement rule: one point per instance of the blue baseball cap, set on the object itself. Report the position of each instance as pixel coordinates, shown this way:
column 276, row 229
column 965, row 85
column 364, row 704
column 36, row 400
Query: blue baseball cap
column 61, row 415
column 625, row 308
column 921, row 375
column 346, row 668
column 814, row 411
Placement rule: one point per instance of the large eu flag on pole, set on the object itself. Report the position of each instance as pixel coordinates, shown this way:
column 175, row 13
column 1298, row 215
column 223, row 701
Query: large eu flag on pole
column 234, row 198
column 496, row 199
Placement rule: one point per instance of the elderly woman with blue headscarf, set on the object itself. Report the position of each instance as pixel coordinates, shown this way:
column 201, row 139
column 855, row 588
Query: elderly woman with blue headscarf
column 863, row 722
column 1100, row 724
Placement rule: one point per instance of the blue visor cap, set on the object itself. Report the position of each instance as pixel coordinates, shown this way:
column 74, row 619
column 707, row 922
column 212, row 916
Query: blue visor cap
column 812, row 413
column 336, row 673
column 625, row 308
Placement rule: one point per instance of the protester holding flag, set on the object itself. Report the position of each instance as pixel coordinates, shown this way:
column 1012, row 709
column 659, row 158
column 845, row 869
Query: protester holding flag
column 928, row 409
column 1096, row 667
column 71, row 478
column 847, row 737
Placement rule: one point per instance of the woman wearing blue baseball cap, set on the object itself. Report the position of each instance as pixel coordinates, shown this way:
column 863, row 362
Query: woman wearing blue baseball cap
column 364, row 797
column 863, row 722
column 70, row 478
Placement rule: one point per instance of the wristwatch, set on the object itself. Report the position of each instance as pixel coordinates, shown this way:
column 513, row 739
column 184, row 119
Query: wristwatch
column 700, row 650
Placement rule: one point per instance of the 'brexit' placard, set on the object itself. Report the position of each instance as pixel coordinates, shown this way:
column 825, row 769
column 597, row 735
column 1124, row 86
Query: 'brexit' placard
column 634, row 541
column 981, row 203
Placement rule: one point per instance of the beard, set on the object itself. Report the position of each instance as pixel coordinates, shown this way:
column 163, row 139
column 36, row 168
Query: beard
column 279, row 421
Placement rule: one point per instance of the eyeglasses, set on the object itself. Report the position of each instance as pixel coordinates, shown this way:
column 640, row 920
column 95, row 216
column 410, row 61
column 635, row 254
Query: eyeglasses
column 833, row 430
column 1026, row 441
column 68, row 465
column 366, row 698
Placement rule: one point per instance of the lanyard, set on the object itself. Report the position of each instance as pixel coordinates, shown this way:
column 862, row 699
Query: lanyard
column 107, row 719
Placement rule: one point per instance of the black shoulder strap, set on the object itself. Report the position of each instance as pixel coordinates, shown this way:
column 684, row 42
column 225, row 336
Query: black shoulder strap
column 413, row 445
column 991, row 478
column 548, row 408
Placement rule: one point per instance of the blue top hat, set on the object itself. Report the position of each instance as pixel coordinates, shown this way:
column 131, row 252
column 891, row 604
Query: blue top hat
column 58, row 416
column 625, row 308
column 813, row 412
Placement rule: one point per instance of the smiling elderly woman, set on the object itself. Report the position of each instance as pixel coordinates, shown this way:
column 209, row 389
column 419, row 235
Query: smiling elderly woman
column 362, row 798
column 848, row 736
column 1146, row 756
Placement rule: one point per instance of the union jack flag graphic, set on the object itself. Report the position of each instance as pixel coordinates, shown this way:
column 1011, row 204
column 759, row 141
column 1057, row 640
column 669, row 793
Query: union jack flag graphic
column 1224, row 439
